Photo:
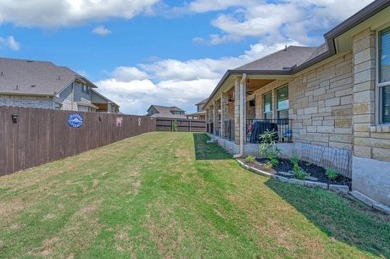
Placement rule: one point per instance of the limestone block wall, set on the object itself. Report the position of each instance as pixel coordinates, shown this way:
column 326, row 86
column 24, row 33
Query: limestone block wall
column 26, row 101
column 321, row 104
column 371, row 140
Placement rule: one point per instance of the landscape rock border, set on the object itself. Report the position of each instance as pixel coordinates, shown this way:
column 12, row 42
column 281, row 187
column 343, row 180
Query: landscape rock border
column 334, row 187
column 343, row 189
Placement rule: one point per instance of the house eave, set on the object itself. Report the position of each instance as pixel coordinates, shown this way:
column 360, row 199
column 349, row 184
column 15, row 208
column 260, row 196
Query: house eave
column 253, row 74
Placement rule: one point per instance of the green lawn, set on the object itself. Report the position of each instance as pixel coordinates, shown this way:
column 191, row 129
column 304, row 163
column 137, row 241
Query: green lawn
column 171, row 195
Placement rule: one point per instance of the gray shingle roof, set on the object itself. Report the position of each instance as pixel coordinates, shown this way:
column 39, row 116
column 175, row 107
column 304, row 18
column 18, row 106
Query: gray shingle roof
column 27, row 77
column 281, row 60
column 166, row 112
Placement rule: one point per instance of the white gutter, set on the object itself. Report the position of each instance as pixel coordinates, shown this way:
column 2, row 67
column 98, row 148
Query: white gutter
column 243, row 79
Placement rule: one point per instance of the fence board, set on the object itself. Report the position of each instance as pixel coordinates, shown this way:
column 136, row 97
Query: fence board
column 183, row 125
column 41, row 136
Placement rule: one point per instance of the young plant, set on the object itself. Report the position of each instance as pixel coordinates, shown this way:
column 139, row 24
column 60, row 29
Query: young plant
column 331, row 174
column 294, row 159
column 268, row 148
column 250, row 159
column 174, row 126
column 268, row 166
column 299, row 173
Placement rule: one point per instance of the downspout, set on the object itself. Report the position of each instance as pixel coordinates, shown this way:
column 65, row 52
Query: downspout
column 243, row 79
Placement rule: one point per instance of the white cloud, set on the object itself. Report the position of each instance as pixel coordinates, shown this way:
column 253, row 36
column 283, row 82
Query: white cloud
column 173, row 82
column 55, row 13
column 101, row 30
column 125, row 74
column 300, row 20
column 10, row 42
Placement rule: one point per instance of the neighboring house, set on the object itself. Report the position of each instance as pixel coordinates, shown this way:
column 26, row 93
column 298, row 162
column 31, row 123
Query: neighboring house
column 166, row 112
column 330, row 104
column 41, row 84
column 200, row 113
column 103, row 103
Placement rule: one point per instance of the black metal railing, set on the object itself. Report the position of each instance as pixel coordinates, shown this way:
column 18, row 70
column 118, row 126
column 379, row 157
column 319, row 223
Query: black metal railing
column 256, row 127
column 210, row 127
column 228, row 130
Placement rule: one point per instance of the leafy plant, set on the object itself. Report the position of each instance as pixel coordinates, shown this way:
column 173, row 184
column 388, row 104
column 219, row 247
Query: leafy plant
column 294, row 159
column 299, row 173
column 331, row 174
column 250, row 159
column 268, row 165
column 268, row 148
column 174, row 125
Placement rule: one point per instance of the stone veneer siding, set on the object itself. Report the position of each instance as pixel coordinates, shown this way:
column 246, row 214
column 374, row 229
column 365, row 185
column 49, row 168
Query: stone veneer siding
column 370, row 163
column 321, row 104
column 26, row 101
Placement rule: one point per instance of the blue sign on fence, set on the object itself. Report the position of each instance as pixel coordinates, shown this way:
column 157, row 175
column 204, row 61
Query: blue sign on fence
column 75, row 120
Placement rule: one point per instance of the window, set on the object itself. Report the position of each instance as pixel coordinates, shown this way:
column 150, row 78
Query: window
column 282, row 102
column 57, row 106
column 85, row 88
column 267, row 106
column 384, row 75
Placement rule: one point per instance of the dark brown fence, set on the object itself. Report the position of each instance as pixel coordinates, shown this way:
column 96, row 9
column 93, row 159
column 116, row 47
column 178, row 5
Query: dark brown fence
column 31, row 137
column 183, row 125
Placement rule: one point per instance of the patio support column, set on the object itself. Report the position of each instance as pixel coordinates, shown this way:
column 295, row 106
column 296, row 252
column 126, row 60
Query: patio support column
column 224, row 109
column 207, row 119
column 237, row 111
column 215, row 125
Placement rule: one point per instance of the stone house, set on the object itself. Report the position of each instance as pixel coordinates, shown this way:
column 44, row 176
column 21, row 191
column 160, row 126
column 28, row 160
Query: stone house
column 330, row 105
column 41, row 84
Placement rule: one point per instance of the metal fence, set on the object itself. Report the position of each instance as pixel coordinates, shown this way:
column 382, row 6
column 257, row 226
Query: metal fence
column 228, row 132
column 182, row 125
column 256, row 127
column 31, row 137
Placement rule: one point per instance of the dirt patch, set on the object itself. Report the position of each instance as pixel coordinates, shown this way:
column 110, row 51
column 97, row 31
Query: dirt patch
column 49, row 216
column 11, row 208
column 122, row 241
column 85, row 211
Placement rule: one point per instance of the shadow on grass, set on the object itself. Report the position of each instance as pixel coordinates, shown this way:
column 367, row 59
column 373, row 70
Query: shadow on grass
column 342, row 218
column 204, row 151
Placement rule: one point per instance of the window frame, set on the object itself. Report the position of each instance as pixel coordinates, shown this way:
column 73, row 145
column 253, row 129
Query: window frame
column 86, row 87
column 379, row 85
column 277, row 102
column 271, row 104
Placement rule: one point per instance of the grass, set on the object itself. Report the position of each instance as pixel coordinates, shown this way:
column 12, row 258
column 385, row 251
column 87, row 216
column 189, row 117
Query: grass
column 171, row 195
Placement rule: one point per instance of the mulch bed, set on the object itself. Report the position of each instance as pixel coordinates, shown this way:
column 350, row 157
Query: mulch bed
column 315, row 172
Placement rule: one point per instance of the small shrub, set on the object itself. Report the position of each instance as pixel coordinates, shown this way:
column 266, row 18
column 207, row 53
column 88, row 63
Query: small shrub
column 294, row 159
column 268, row 148
column 268, row 166
column 331, row 174
column 174, row 126
column 250, row 159
column 299, row 173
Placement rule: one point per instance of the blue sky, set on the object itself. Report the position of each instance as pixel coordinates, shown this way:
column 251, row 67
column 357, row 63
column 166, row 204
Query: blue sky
column 144, row 52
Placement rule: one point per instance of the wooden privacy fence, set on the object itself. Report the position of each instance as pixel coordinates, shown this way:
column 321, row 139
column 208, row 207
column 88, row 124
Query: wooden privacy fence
column 31, row 137
column 183, row 125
